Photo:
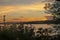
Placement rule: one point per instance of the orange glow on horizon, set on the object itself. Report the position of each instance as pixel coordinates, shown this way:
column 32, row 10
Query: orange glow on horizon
column 28, row 19
column 21, row 9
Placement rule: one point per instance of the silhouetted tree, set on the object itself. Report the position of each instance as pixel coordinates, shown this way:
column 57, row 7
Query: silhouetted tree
column 55, row 10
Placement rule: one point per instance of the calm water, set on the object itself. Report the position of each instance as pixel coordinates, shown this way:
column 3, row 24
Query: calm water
column 35, row 26
column 40, row 25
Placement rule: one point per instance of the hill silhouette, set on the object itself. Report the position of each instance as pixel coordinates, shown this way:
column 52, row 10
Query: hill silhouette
column 34, row 22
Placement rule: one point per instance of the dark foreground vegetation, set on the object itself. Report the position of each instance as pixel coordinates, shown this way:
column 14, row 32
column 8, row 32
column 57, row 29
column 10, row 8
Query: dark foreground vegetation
column 26, row 33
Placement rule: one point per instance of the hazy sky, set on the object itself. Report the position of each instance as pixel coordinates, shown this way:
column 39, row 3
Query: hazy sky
column 19, row 2
column 23, row 8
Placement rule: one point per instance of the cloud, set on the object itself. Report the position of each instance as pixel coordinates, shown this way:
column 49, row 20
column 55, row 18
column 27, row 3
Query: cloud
column 18, row 2
column 24, row 10
column 21, row 8
column 27, row 11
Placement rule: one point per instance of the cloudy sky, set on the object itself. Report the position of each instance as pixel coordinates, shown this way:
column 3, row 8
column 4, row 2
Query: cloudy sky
column 23, row 9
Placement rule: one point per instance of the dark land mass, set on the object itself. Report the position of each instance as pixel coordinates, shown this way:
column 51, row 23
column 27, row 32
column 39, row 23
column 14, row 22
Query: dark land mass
column 35, row 22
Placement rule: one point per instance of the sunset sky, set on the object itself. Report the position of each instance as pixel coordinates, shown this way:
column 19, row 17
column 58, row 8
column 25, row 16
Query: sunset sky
column 23, row 10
